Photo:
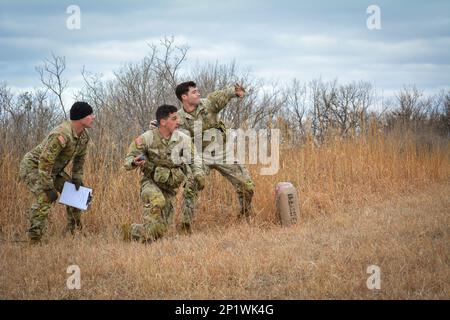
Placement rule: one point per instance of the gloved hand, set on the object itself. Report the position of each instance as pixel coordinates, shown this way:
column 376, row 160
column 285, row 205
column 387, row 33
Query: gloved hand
column 77, row 182
column 51, row 194
column 90, row 199
column 200, row 182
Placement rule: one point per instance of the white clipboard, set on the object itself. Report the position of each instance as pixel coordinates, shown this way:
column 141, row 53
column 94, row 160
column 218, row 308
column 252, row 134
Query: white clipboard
column 78, row 199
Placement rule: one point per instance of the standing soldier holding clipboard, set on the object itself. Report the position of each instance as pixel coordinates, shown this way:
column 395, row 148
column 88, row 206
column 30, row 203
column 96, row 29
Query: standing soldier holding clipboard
column 42, row 169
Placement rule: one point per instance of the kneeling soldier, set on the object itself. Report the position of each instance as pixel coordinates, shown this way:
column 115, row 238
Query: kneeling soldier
column 166, row 157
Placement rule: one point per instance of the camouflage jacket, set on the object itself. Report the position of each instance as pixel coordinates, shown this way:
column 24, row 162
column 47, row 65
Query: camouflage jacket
column 55, row 152
column 207, row 112
column 167, row 161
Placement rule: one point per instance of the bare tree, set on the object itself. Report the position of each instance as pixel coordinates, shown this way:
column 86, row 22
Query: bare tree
column 167, row 65
column 350, row 106
column 446, row 113
column 260, row 104
column 95, row 91
column 323, row 98
column 25, row 118
column 51, row 77
column 297, row 105
column 268, row 106
column 411, row 105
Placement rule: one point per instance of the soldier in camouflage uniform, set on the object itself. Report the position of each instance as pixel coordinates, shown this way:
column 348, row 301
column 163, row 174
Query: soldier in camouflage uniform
column 205, row 112
column 160, row 154
column 42, row 169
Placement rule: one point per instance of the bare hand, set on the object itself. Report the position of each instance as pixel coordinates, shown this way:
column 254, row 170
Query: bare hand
column 240, row 91
column 153, row 124
column 138, row 161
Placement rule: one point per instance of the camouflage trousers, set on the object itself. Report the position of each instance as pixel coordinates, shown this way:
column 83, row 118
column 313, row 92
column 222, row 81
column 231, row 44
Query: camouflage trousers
column 236, row 174
column 157, row 212
column 39, row 211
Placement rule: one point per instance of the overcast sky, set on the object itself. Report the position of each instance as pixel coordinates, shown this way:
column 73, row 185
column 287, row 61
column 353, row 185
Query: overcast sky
column 278, row 40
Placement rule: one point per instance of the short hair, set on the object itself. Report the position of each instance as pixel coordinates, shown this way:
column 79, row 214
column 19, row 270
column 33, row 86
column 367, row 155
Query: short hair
column 164, row 111
column 183, row 88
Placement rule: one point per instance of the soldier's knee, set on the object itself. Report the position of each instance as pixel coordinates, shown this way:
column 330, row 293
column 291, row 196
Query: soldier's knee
column 154, row 231
column 44, row 203
column 38, row 215
column 154, row 199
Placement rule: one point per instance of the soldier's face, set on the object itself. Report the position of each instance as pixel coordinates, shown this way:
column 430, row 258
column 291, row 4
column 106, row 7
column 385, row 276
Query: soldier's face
column 171, row 123
column 87, row 121
column 193, row 96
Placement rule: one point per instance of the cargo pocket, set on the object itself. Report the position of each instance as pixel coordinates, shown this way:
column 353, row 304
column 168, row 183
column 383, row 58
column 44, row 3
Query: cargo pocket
column 161, row 175
column 176, row 178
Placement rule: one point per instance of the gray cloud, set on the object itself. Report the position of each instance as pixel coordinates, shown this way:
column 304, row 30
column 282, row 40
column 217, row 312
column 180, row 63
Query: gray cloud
column 276, row 39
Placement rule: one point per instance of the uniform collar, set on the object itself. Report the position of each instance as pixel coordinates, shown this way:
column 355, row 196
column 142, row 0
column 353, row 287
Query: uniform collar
column 194, row 114
column 173, row 137
column 68, row 125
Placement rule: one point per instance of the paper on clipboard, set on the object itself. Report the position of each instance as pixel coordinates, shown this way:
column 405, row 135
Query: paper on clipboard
column 71, row 197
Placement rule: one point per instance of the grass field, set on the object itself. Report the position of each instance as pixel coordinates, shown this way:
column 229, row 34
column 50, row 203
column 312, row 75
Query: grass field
column 381, row 201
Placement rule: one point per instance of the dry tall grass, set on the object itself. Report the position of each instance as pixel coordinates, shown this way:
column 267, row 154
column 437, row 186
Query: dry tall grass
column 378, row 200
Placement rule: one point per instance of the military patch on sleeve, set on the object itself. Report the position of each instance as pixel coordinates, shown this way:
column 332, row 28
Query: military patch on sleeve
column 62, row 140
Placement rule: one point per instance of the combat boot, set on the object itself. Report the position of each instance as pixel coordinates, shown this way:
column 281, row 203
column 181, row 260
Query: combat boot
column 186, row 228
column 72, row 227
column 33, row 239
